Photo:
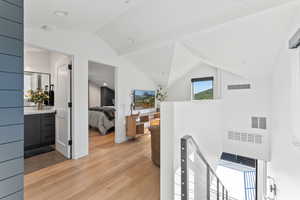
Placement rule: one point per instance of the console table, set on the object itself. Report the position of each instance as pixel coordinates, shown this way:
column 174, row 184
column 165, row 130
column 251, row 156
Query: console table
column 135, row 124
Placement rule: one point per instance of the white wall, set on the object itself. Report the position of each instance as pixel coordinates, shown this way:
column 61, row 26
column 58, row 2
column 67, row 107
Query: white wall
column 84, row 47
column 127, row 79
column 94, row 95
column 238, row 107
column 37, row 61
column 285, row 157
column 208, row 122
column 181, row 89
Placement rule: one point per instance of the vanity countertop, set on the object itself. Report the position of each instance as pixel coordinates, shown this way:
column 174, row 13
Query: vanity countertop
column 35, row 111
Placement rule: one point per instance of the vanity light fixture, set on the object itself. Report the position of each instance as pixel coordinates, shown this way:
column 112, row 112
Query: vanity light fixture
column 131, row 41
column 48, row 28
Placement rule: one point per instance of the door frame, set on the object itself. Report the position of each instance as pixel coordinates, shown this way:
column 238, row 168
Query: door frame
column 70, row 143
column 71, row 113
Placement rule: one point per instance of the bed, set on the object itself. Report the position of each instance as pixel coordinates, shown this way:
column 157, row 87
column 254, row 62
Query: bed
column 102, row 118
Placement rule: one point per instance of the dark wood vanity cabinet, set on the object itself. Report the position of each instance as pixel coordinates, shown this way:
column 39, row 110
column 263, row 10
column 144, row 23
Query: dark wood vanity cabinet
column 32, row 135
column 48, row 129
column 39, row 130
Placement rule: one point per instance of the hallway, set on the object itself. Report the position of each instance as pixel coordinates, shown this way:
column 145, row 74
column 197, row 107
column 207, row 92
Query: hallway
column 110, row 171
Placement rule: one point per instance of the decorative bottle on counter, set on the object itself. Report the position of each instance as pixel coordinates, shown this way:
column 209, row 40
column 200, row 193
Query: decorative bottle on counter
column 46, row 102
column 51, row 95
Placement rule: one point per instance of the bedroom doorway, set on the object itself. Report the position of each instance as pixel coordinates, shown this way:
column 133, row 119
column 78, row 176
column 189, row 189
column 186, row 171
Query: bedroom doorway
column 47, row 122
column 101, row 97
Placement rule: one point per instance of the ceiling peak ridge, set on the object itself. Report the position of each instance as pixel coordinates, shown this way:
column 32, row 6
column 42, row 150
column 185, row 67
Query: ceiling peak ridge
column 207, row 61
column 159, row 41
column 242, row 18
column 180, row 52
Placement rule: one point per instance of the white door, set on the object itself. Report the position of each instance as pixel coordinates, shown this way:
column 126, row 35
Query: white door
column 62, row 98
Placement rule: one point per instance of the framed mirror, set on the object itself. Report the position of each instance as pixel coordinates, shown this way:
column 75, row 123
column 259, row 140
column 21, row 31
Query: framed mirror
column 34, row 81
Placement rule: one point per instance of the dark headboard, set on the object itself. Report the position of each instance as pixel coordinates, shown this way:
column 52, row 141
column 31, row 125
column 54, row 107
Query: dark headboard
column 107, row 96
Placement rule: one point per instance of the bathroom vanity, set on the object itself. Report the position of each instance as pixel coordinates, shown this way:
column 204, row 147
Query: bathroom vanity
column 39, row 131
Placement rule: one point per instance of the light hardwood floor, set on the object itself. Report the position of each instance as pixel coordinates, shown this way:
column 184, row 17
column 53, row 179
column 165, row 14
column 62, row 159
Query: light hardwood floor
column 110, row 172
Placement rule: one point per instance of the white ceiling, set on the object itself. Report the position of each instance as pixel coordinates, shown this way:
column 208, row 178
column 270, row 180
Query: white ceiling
column 155, row 62
column 159, row 20
column 84, row 15
column 166, row 38
column 247, row 46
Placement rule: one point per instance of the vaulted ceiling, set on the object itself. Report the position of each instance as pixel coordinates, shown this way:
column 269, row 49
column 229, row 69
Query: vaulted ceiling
column 167, row 38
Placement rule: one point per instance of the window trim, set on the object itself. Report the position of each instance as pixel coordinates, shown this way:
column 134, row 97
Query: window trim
column 208, row 78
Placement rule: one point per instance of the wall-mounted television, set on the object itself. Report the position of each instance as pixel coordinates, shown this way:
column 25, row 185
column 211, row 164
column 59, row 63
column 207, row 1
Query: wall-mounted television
column 144, row 99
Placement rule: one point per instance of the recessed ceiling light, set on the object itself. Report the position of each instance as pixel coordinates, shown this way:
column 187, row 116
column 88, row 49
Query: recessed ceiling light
column 131, row 40
column 61, row 13
column 48, row 28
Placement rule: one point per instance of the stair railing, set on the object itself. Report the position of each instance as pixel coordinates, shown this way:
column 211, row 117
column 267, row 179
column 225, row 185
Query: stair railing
column 198, row 179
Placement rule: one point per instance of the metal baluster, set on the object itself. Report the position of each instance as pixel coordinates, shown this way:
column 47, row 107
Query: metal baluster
column 218, row 188
column 209, row 172
column 223, row 189
column 184, row 170
column 208, row 183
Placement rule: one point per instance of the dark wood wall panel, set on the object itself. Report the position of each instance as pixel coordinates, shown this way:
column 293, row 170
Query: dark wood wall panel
column 11, row 186
column 11, row 151
column 11, row 12
column 11, row 134
column 11, row 100
column 15, row 81
column 12, row 29
column 11, row 168
column 16, row 196
column 11, row 46
column 18, row 3
column 11, row 64
column 11, row 116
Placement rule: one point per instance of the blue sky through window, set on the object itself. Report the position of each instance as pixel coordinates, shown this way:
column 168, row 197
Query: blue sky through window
column 200, row 86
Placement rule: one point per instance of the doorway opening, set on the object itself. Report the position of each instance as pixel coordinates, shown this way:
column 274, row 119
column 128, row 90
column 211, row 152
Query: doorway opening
column 239, row 175
column 47, row 108
column 101, row 109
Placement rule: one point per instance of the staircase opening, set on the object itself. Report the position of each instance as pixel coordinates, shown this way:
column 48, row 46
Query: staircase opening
column 239, row 175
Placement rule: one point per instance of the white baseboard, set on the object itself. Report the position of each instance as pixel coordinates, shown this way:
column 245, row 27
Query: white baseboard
column 120, row 140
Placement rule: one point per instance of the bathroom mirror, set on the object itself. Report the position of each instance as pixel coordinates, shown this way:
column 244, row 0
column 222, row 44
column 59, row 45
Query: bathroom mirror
column 34, row 81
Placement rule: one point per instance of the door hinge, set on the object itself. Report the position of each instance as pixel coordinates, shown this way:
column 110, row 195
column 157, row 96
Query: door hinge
column 70, row 67
column 70, row 142
column 70, row 104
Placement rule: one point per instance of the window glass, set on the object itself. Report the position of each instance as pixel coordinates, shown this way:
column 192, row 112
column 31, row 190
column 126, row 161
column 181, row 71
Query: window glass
column 202, row 88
